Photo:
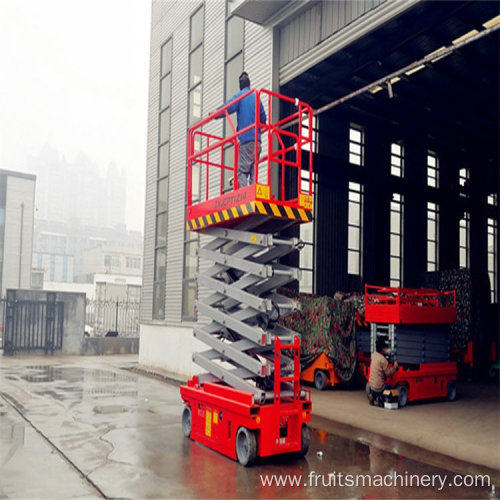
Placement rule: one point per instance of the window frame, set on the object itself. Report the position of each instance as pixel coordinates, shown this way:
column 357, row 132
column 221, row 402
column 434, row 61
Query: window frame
column 432, row 180
column 464, row 248
column 396, row 206
column 361, row 144
column 433, row 209
column 158, row 307
column 188, row 311
column 398, row 170
column 492, row 234
column 359, row 192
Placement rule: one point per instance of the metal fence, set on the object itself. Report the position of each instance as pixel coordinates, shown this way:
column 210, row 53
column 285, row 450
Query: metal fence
column 32, row 325
column 105, row 316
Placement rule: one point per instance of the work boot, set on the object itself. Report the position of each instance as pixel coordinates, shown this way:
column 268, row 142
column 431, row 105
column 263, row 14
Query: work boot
column 370, row 399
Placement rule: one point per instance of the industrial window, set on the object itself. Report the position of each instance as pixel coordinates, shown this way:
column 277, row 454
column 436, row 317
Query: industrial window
column 432, row 169
column 355, row 229
column 196, row 46
column 162, row 184
column 432, row 236
column 492, row 258
column 356, row 145
column 195, row 67
column 133, row 262
column 464, row 241
column 189, row 288
column 314, row 133
column 463, row 181
column 307, row 231
column 397, row 159
column 233, row 67
column 396, row 240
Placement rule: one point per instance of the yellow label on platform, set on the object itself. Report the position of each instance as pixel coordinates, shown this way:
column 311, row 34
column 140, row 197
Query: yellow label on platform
column 263, row 192
column 306, row 201
column 253, row 238
column 216, row 417
column 208, row 423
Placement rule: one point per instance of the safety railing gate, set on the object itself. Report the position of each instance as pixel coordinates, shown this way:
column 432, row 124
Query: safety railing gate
column 33, row 325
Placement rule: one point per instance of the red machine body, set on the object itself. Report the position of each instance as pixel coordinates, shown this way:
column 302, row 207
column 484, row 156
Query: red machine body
column 394, row 305
column 218, row 411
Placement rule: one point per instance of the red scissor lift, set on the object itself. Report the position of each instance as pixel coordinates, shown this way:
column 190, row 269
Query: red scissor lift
column 414, row 322
column 249, row 403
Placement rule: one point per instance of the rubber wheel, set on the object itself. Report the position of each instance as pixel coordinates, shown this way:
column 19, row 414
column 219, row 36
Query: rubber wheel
column 186, row 421
column 305, row 440
column 246, row 446
column 451, row 391
column 320, row 380
column 403, row 396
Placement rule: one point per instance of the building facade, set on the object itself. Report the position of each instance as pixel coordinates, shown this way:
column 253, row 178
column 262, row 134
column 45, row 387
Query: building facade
column 17, row 208
column 405, row 172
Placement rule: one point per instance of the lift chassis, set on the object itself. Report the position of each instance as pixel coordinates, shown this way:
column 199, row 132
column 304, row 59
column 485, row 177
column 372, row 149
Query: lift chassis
column 249, row 402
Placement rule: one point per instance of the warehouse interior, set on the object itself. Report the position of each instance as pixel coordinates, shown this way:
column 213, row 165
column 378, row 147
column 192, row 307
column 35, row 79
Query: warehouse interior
column 449, row 107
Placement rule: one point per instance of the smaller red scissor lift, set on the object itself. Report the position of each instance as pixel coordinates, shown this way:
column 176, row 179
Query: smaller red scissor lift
column 390, row 308
column 250, row 403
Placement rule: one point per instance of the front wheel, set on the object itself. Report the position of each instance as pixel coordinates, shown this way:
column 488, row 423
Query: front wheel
column 246, row 446
column 305, row 440
column 402, row 396
column 186, row 421
column 451, row 390
column 320, row 380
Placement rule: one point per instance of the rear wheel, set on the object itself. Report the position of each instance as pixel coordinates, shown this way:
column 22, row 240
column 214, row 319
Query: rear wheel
column 402, row 396
column 320, row 380
column 186, row 421
column 305, row 440
column 451, row 390
column 246, row 446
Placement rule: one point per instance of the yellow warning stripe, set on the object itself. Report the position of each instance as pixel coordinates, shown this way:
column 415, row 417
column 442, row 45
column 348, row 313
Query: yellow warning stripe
column 254, row 207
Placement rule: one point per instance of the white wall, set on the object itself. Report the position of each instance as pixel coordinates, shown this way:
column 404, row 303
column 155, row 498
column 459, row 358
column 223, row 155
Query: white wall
column 20, row 191
column 169, row 349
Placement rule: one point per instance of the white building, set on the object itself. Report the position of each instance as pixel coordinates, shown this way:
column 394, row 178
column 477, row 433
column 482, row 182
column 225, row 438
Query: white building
column 388, row 197
column 17, row 206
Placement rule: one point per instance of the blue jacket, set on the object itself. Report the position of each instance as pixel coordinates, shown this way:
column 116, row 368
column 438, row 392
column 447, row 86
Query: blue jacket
column 245, row 111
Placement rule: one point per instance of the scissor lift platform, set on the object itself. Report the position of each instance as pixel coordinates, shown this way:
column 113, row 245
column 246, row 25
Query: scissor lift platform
column 249, row 402
column 392, row 308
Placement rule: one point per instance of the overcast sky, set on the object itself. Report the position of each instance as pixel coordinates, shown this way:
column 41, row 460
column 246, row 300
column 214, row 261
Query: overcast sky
column 74, row 75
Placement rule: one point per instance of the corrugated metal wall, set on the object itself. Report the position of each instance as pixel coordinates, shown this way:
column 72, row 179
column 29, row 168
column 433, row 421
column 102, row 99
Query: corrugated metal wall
column 172, row 19
column 317, row 23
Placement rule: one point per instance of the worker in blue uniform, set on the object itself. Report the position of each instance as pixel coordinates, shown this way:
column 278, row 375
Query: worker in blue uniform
column 245, row 112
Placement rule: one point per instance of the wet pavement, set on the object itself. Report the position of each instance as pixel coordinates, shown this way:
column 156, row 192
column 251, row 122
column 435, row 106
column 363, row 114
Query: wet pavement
column 85, row 428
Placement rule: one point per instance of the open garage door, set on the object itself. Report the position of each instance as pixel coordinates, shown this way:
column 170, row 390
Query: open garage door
column 407, row 174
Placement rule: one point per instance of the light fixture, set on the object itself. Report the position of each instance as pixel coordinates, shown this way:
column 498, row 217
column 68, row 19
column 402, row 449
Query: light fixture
column 465, row 37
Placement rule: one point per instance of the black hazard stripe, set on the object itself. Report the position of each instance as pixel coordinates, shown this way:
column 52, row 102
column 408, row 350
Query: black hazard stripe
column 258, row 207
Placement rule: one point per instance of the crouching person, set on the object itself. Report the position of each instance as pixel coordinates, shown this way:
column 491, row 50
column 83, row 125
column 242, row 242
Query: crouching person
column 379, row 372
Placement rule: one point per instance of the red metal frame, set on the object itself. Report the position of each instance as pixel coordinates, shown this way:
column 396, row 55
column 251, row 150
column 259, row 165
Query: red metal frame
column 429, row 380
column 218, row 411
column 282, row 148
column 409, row 305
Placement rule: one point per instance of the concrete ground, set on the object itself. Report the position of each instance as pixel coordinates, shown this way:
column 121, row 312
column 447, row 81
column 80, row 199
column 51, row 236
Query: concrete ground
column 461, row 435
column 92, row 427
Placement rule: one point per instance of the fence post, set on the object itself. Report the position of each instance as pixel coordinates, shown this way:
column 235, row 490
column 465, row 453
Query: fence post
column 50, row 318
column 8, row 341
column 116, row 317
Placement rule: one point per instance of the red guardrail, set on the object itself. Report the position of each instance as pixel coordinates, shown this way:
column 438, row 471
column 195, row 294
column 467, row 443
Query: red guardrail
column 409, row 305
